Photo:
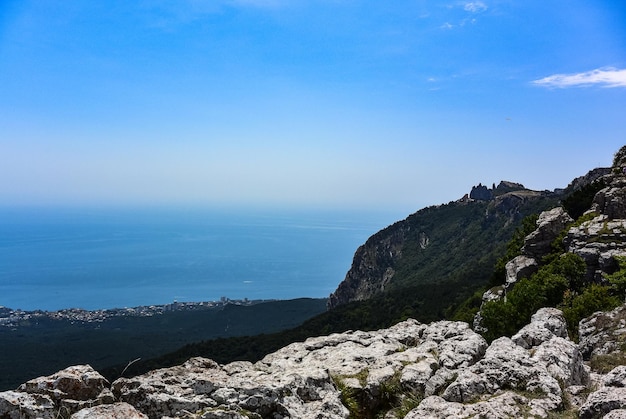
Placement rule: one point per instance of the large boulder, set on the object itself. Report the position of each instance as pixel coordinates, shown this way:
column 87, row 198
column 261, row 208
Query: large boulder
column 110, row 411
column 517, row 268
column 545, row 324
column 79, row 382
column 611, row 201
column 18, row 405
column 549, row 226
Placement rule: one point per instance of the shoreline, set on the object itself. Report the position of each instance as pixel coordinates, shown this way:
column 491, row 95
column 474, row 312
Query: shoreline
column 13, row 318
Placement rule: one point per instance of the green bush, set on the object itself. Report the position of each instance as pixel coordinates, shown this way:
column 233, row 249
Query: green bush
column 594, row 298
column 546, row 288
column 618, row 278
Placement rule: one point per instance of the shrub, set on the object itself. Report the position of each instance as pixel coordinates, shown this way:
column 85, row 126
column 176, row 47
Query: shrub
column 576, row 307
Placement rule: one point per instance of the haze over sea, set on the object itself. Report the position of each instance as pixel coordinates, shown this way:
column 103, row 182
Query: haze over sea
column 53, row 258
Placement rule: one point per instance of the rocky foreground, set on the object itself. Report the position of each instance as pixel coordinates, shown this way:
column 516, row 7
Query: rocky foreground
column 410, row 370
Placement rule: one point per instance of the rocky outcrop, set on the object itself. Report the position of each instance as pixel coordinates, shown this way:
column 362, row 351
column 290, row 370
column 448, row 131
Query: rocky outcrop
column 600, row 239
column 549, row 225
column 410, row 370
column 481, row 193
column 537, row 244
column 587, row 179
column 58, row 395
column 603, row 333
column 517, row 268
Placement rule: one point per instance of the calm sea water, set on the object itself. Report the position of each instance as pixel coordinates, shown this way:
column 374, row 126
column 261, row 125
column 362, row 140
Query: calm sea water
column 52, row 259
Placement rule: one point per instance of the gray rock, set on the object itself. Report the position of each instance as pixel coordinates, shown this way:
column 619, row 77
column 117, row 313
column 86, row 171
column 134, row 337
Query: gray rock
column 549, row 226
column 562, row 360
column 79, row 382
column 611, row 200
column 616, row 414
column 18, row 405
column 111, row 411
column 445, row 364
column 545, row 324
column 519, row 267
column 598, row 241
column 505, row 405
column 602, row 333
column 601, row 402
column 616, row 377
column 505, row 366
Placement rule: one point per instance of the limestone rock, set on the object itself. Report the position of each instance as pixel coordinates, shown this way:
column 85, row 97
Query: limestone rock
column 611, row 201
column 79, row 382
column 598, row 241
column 505, row 405
column 616, row 377
column 481, row 193
column 545, row 324
column 519, row 267
column 549, row 226
column 18, row 405
column 602, row 333
column 111, row 411
column 505, row 366
column 616, row 414
column 603, row 401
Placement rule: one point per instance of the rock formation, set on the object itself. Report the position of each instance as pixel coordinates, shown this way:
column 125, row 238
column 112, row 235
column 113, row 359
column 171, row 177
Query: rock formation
column 410, row 370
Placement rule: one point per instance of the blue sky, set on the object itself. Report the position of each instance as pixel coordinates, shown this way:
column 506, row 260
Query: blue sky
column 324, row 103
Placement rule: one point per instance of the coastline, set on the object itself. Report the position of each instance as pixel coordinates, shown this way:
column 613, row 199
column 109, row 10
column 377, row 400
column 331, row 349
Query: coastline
column 13, row 318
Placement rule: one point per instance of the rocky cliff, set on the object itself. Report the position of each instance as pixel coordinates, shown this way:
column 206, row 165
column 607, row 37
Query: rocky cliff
column 410, row 370
column 455, row 242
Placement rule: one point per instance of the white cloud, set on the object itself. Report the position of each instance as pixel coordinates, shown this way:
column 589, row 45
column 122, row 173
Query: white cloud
column 605, row 77
column 475, row 6
column 447, row 25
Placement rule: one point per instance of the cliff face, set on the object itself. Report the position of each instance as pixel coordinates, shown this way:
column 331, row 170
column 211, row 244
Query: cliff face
column 455, row 242
column 410, row 370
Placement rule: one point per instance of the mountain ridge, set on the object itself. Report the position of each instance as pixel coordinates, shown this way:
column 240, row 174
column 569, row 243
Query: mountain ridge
column 399, row 253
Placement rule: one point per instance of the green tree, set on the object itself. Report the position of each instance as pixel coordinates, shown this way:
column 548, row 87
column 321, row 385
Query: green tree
column 618, row 278
column 593, row 298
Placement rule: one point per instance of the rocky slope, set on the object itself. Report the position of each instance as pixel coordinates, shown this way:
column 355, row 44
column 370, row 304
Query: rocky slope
column 599, row 240
column 410, row 370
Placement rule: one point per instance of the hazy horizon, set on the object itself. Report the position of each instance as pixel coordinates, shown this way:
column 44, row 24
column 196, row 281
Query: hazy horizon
column 389, row 106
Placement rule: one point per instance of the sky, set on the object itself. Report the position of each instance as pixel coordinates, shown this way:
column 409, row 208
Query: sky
column 348, row 104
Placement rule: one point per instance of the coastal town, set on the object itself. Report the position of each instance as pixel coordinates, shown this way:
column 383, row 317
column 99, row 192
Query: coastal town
column 13, row 318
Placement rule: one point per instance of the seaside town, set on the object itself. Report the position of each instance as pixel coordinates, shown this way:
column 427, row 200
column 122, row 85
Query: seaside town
column 13, row 318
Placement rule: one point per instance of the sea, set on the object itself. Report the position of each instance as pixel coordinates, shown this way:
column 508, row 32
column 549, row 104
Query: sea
column 59, row 258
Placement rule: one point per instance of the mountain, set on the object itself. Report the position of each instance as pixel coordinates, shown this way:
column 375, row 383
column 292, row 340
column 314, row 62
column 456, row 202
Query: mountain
column 457, row 242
